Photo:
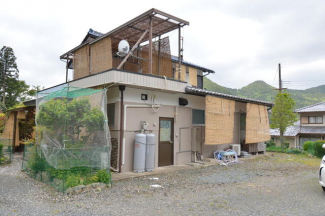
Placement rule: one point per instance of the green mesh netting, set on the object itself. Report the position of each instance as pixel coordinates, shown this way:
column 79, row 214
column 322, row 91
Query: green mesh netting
column 72, row 128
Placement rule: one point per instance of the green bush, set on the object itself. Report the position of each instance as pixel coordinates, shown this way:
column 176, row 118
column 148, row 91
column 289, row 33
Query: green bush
column 318, row 148
column 1, row 149
column 286, row 145
column 307, row 145
column 103, row 176
column 73, row 180
column 270, row 143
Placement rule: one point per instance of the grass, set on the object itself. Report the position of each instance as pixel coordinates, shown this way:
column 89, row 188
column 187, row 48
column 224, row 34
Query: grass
column 279, row 149
column 297, row 158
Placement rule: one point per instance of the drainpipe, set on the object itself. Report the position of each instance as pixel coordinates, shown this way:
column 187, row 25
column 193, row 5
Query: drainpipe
column 121, row 88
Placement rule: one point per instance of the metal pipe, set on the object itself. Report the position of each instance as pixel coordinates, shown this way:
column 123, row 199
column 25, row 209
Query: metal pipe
column 179, row 52
column 121, row 88
column 159, row 46
column 150, row 46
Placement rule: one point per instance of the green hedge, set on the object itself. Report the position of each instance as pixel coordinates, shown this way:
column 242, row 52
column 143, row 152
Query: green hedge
column 315, row 148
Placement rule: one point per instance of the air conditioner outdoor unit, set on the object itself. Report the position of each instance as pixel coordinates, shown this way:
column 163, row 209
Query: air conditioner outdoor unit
column 236, row 148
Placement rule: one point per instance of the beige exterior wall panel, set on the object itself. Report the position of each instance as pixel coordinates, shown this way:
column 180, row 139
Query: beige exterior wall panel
column 219, row 120
column 81, row 62
column 193, row 76
column 257, row 124
column 101, row 56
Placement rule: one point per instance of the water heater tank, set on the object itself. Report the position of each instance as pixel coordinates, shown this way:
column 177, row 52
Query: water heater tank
column 139, row 153
column 150, row 152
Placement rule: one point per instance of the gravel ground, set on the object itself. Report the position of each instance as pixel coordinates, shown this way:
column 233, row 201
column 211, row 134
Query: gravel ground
column 275, row 184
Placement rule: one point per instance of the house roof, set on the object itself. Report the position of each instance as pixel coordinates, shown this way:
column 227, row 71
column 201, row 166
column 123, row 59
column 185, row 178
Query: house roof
column 290, row 131
column 162, row 23
column 198, row 91
column 319, row 107
column 297, row 129
column 175, row 59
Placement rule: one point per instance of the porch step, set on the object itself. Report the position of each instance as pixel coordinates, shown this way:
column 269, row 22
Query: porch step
column 209, row 160
column 196, row 164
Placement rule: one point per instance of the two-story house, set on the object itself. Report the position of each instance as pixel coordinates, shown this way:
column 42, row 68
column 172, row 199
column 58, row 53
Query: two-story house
column 310, row 127
column 150, row 85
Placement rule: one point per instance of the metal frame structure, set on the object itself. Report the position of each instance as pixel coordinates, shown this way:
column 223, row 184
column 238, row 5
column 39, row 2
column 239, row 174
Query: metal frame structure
column 134, row 31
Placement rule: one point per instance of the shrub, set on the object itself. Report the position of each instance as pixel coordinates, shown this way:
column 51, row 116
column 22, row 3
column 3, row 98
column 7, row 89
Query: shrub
column 309, row 147
column 306, row 145
column 286, row 145
column 103, row 176
column 318, row 148
column 1, row 149
column 73, row 180
column 270, row 143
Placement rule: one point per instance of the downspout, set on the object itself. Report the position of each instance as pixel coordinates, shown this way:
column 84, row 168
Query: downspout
column 121, row 88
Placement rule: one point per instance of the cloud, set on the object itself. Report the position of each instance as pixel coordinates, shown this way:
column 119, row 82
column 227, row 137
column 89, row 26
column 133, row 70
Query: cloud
column 242, row 41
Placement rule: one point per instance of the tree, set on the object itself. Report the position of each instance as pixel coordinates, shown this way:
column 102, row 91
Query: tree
column 283, row 114
column 64, row 119
column 8, row 70
column 12, row 90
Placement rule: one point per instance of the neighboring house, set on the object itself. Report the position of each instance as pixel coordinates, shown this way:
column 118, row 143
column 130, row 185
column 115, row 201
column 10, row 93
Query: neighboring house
column 310, row 127
column 189, row 122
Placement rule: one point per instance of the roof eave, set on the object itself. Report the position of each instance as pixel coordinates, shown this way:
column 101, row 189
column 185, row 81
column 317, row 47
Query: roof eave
column 190, row 90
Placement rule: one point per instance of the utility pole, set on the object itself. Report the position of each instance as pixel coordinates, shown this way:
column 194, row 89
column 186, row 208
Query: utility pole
column 280, row 80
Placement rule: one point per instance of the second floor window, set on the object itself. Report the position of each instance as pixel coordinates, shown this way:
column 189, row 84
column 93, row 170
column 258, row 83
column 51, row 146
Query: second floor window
column 315, row 119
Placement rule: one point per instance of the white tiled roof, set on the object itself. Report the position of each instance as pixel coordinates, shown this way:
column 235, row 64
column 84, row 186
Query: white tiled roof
column 297, row 129
column 319, row 107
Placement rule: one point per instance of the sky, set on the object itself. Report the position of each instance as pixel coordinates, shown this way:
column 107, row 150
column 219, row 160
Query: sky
column 241, row 40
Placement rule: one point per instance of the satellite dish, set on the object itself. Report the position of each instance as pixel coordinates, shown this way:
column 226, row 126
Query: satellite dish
column 123, row 47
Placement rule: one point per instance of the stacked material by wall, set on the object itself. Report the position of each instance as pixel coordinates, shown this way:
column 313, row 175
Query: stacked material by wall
column 81, row 62
column 257, row 124
column 101, row 56
column 219, row 120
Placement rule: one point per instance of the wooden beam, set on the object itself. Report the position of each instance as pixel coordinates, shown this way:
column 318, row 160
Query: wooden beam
column 150, row 46
column 133, row 48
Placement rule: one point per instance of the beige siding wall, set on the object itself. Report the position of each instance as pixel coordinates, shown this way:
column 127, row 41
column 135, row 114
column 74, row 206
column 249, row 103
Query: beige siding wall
column 101, row 56
column 219, row 120
column 290, row 140
column 257, row 124
column 192, row 74
column 81, row 62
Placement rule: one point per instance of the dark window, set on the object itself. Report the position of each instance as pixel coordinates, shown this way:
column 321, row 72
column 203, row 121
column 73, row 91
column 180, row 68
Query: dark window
column 200, row 82
column 315, row 119
column 198, row 117
column 111, row 114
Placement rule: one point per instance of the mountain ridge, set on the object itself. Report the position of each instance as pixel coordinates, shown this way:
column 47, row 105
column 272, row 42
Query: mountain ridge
column 260, row 90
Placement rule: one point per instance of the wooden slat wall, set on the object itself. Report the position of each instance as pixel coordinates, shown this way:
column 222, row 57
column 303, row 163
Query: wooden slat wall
column 9, row 128
column 101, row 56
column 219, row 120
column 257, row 124
column 193, row 76
column 81, row 62
column 166, row 67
